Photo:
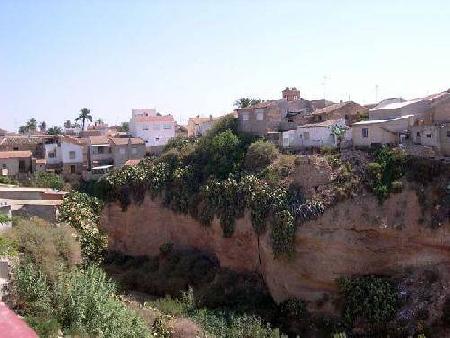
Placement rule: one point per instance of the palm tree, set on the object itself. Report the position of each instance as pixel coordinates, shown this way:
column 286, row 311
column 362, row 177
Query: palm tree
column 42, row 126
column 31, row 125
column 85, row 114
column 55, row 130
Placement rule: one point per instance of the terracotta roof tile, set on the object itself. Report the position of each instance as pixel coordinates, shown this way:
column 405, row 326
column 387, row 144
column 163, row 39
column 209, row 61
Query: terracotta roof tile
column 124, row 140
column 15, row 154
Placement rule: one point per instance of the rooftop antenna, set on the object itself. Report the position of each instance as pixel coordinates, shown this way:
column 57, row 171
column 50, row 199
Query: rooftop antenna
column 376, row 93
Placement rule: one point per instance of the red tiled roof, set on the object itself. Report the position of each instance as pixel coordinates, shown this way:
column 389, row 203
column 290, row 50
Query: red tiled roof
column 132, row 162
column 98, row 140
column 73, row 140
column 15, row 154
column 120, row 141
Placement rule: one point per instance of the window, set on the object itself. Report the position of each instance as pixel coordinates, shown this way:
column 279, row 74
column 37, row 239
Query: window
column 365, row 132
column 156, row 138
column 448, row 133
column 429, row 135
column 134, row 150
column 71, row 155
column 245, row 116
column 22, row 166
column 144, row 128
column 306, row 135
column 167, row 126
column 418, row 134
column 15, row 148
column 4, row 165
column 51, row 155
column 122, row 151
column 72, row 169
column 100, row 150
column 260, row 116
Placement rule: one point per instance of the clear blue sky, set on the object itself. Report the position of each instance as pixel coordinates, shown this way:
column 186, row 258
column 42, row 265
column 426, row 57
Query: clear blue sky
column 197, row 57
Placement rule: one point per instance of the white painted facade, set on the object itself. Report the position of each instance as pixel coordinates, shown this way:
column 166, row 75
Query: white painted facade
column 71, row 153
column 314, row 135
column 53, row 153
column 156, row 130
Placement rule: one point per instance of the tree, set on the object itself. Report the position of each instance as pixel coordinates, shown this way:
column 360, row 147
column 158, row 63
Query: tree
column 55, row 130
column 260, row 154
column 125, row 127
column 43, row 127
column 338, row 131
column 99, row 121
column 85, row 114
column 246, row 102
column 67, row 124
column 29, row 127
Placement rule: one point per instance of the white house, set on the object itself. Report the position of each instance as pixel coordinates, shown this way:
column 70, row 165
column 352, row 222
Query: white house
column 315, row 135
column 67, row 153
column 398, row 107
column 155, row 129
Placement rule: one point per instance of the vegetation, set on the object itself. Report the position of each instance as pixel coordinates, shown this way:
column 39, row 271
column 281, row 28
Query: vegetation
column 246, row 102
column 124, row 127
column 82, row 212
column 218, row 323
column 389, row 166
column 54, row 294
column 55, row 130
column 207, row 178
column 53, row 249
column 29, row 127
column 46, row 180
column 260, row 154
column 370, row 299
column 85, row 114
column 7, row 180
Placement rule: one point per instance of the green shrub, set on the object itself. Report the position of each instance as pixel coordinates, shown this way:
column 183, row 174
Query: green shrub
column 260, row 154
column 86, row 304
column 50, row 248
column 47, row 180
column 8, row 246
column 82, row 212
column 369, row 298
column 217, row 323
column 293, row 307
column 389, row 166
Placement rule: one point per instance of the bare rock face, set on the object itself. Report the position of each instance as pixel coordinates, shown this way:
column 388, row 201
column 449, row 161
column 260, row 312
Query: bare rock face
column 357, row 236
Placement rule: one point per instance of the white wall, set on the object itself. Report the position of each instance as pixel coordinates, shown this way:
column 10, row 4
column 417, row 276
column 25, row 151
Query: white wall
column 318, row 136
column 154, row 133
column 66, row 148
column 50, row 148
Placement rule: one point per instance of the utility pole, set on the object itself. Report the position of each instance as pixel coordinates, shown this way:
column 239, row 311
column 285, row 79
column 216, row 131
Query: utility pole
column 324, row 84
column 376, row 93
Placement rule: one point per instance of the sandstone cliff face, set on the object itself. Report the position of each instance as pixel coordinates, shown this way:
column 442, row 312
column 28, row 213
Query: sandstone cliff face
column 357, row 236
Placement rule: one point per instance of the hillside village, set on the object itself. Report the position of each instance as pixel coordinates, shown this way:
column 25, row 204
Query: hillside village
column 286, row 217
column 421, row 126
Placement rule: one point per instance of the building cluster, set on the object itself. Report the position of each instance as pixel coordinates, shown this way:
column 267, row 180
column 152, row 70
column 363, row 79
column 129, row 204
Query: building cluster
column 421, row 125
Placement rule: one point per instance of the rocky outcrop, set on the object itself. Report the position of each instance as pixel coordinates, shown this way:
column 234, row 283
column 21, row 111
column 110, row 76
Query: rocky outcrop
column 357, row 236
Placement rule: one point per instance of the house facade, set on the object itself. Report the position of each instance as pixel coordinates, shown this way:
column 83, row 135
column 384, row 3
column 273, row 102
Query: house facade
column 315, row 135
column 198, row 126
column 16, row 164
column 398, row 107
column 99, row 152
column 125, row 149
column 155, row 129
column 67, row 155
column 349, row 111
column 379, row 132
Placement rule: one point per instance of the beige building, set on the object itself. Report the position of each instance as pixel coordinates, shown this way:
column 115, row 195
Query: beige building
column 198, row 126
column 16, row 164
column 380, row 132
column 125, row 149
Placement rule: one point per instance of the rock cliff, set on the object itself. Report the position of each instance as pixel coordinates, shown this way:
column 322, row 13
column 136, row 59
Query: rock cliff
column 357, row 236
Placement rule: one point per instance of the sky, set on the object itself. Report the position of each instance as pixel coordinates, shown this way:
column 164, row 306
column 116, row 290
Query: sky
column 198, row 57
